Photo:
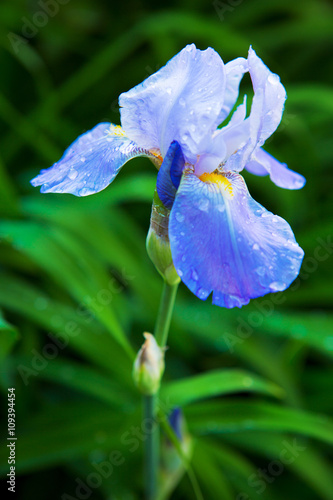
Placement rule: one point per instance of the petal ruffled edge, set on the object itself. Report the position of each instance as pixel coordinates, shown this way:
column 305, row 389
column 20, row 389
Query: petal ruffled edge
column 90, row 163
column 263, row 163
column 223, row 241
column 179, row 102
column 266, row 111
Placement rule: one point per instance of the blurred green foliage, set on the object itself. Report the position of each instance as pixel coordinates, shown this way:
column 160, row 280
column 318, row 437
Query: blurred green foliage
column 77, row 289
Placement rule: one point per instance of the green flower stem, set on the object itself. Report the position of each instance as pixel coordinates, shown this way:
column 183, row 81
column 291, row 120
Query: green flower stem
column 151, row 448
column 150, row 402
column 165, row 313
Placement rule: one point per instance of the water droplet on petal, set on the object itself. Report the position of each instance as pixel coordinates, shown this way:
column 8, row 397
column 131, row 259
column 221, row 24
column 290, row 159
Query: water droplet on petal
column 180, row 272
column 277, row 286
column 72, row 174
column 202, row 293
column 261, row 271
column 179, row 217
column 255, row 246
column 83, row 159
column 194, row 275
column 203, row 205
column 86, row 191
column 220, row 208
column 182, row 101
column 273, row 79
column 169, row 90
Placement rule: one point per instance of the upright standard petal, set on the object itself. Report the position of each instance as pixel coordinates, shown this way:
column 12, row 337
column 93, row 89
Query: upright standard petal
column 266, row 110
column 180, row 102
column 234, row 71
column 268, row 101
column 263, row 163
column 222, row 241
column 91, row 163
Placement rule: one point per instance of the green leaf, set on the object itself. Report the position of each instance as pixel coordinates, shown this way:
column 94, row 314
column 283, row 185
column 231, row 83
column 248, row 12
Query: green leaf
column 70, row 267
column 8, row 336
column 185, row 391
column 237, row 415
column 210, row 475
column 303, row 458
column 80, row 330
column 83, row 379
column 62, row 434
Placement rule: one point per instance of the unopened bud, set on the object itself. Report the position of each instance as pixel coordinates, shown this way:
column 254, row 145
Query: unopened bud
column 149, row 366
column 158, row 244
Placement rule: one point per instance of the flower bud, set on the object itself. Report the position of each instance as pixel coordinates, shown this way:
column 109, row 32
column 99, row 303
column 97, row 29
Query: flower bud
column 172, row 465
column 158, row 244
column 149, row 366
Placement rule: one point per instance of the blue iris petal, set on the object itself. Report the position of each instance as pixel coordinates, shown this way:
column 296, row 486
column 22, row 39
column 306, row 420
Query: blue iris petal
column 91, row 163
column 181, row 101
column 222, row 241
column 263, row 163
column 171, row 168
column 266, row 111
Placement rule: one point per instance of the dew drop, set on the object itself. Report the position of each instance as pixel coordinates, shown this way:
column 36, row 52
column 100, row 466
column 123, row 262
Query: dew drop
column 260, row 271
column 83, row 159
column 202, row 293
column 169, row 90
column 179, row 217
column 255, row 246
column 203, row 205
column 182, row 102
column 194, row 275
column 220, row 208
column 273, row 79
column 277, row 286
column 86, row 191
column 180, row 272
column 72, row 174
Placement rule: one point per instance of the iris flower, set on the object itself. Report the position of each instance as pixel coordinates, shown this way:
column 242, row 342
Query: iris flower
column 222, row 241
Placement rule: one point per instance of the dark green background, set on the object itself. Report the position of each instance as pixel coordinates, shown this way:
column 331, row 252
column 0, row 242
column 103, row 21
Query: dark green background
column 58, row 253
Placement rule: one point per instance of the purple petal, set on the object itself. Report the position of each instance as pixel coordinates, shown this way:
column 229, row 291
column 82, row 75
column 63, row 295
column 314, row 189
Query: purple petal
column 222, row 241
column 173, row 163
column 91, row 163
column 263, row 164
column 268, row 100
column 234, row 73
column 266, row 110
column 180, row 102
